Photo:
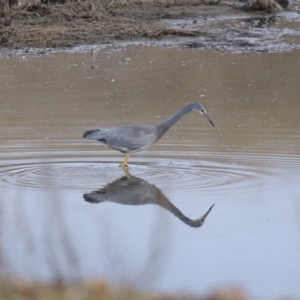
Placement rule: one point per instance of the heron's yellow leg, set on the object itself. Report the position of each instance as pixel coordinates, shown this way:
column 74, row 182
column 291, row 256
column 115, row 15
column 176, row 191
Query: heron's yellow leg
column 124, row 163
column 128, row 175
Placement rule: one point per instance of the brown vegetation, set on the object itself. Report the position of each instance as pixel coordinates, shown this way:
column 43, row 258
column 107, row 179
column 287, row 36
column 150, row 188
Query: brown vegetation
column 63, row 23
column 66, row 23
column 97, row 291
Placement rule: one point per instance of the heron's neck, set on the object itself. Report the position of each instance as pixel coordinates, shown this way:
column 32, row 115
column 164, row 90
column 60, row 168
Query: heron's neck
column 163, row 127
column 164, row 202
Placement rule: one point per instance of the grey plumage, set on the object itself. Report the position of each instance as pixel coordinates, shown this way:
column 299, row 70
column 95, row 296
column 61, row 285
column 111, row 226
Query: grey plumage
column 134, row 138
column 126, row 139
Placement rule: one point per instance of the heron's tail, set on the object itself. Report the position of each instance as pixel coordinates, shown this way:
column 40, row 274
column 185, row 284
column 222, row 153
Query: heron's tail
column 94, row 134
column 94, row 197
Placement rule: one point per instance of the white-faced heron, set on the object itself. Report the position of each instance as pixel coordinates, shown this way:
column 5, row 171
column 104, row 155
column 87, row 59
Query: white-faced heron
column 134, row 138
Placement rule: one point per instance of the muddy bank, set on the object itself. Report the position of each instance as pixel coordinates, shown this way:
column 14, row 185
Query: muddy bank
column 209, row 24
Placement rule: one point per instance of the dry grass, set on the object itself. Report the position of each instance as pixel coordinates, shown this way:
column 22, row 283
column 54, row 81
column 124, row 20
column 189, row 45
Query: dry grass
column 37, row 24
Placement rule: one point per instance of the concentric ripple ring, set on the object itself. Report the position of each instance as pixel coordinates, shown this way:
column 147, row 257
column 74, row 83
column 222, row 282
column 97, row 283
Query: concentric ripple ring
column 211, row 171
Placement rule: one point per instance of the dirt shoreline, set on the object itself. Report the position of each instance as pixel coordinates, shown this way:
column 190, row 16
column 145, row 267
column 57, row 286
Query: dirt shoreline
column 209, row 24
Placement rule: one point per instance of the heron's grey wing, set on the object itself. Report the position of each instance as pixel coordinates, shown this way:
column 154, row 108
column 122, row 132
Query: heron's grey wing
column 131, row 138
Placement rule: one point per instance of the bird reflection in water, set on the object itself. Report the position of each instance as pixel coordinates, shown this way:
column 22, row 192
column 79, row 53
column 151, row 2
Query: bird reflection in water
column 136, row 191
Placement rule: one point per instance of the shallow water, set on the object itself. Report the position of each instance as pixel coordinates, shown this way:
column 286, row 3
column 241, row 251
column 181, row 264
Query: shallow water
column 54, row 226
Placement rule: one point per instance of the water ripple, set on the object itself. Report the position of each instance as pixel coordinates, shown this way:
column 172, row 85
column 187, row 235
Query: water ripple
column 168, row 170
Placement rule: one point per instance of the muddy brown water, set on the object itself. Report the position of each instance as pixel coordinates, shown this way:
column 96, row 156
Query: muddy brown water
column 54, row 226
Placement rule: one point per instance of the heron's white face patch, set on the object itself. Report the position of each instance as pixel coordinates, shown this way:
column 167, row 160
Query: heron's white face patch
column 202, row 111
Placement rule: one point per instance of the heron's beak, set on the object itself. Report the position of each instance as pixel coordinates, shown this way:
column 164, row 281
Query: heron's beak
column 210, row 121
